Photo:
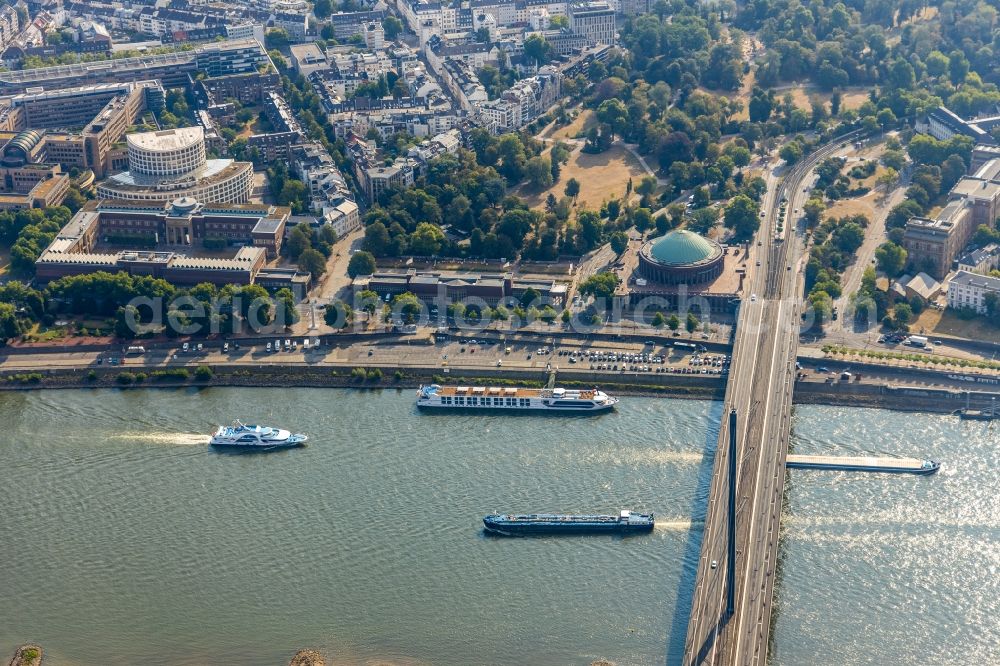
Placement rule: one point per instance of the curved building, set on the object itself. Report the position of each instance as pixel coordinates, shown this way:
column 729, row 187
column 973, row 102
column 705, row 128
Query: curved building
column 22, row 149
column 168, row 165
column 167, row 153
column 681, row 257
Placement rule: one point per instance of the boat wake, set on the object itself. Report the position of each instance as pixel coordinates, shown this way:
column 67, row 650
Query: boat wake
column 643, row 457
column 165, row 438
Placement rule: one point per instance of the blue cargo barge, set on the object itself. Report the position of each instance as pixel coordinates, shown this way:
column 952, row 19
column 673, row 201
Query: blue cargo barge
column 546, row 523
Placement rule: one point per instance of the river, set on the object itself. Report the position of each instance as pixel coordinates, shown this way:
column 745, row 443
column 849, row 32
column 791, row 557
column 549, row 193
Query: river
column 126, row 540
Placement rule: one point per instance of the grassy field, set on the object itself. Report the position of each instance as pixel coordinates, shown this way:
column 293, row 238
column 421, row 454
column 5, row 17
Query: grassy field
column 602, row 177
column 583, row 121
column 862, row 205
column 945, row 322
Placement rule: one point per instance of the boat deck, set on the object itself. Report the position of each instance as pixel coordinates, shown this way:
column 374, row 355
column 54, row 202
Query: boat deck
column 859, row 463
column 512, row 392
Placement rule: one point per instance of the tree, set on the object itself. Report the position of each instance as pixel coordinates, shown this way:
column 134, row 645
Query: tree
column 890, row 259
column 760, row 106
column 572, row 188
column 703, row 219
column 277, row 38
column 537, row 49
column 322, row 8
column 392, row 26
column 702, row 197
column 338, row 314
column 426, row 240
column 286, row 312
column 408, row 306
column 791, row 152
column 741, row 215
column 361, row 263
column 312, row 261
column 377, row 238
column 601, row 285
column 539, row 172
column 293, row 194
column 9, row 325
column 614, row 114
column 646, row 186
column 812, row 209
column 619, row 242
column 673, row 322
column 299, row 241
column 902, row 314
column 658, row 320
column 691, row 323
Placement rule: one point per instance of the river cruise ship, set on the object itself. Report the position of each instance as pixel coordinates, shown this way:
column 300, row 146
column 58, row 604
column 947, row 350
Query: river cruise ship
column 435, row 396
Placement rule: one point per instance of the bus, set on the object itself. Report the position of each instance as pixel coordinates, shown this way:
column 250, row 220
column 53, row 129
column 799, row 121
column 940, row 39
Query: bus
column 135, row 349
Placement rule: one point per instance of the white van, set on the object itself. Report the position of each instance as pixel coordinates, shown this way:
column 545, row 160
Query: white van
column 268, row 346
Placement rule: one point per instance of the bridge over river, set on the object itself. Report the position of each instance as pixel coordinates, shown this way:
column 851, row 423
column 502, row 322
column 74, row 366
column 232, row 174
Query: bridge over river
column 731, row 609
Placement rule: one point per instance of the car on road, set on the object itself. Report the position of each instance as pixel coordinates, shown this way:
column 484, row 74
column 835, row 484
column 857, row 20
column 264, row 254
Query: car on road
column 185, row 347
column 822, row 368
column 499, row 363
column 753, row 297
column 225, row 347
column 371, row 352
column 268, row 348
column 758, row 262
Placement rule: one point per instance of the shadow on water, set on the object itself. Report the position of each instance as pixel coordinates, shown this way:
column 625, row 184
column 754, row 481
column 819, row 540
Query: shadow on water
column 692, row 550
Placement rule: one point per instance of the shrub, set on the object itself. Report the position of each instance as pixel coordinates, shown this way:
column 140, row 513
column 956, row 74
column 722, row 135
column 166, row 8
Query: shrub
column 398, row 376
column 140, row 377
column 26, row 378
column 374, row 375
column 203, row 373
column 91, row 376
column 358, row 374
column 125, row 378
column 181, row 374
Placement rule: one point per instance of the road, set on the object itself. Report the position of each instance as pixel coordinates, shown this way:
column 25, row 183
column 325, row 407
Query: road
column 760, row 390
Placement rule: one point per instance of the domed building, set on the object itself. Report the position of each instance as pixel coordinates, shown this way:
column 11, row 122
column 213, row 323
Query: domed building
column 681, row 257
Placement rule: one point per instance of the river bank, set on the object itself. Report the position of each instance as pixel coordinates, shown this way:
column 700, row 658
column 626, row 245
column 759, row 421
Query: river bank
column 898, row 394
column 377, row 377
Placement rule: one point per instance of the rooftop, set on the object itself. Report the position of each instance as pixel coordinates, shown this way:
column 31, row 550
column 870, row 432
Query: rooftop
column 683, row 248
column 166, row 140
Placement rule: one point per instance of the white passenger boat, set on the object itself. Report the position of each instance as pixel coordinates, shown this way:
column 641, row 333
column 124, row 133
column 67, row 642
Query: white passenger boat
column 495, row 398
column 255, row 437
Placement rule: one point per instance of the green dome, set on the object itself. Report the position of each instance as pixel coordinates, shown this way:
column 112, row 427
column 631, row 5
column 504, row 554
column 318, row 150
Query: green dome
column 682, row 247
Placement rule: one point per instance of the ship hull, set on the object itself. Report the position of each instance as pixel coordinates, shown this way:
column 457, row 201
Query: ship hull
column 261, row 448
column 919, row 471
column 539, row 525
column 542, row 530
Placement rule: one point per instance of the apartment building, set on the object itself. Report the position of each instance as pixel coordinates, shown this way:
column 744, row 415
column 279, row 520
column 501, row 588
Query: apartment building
column 593, row 19
column 969, row 290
